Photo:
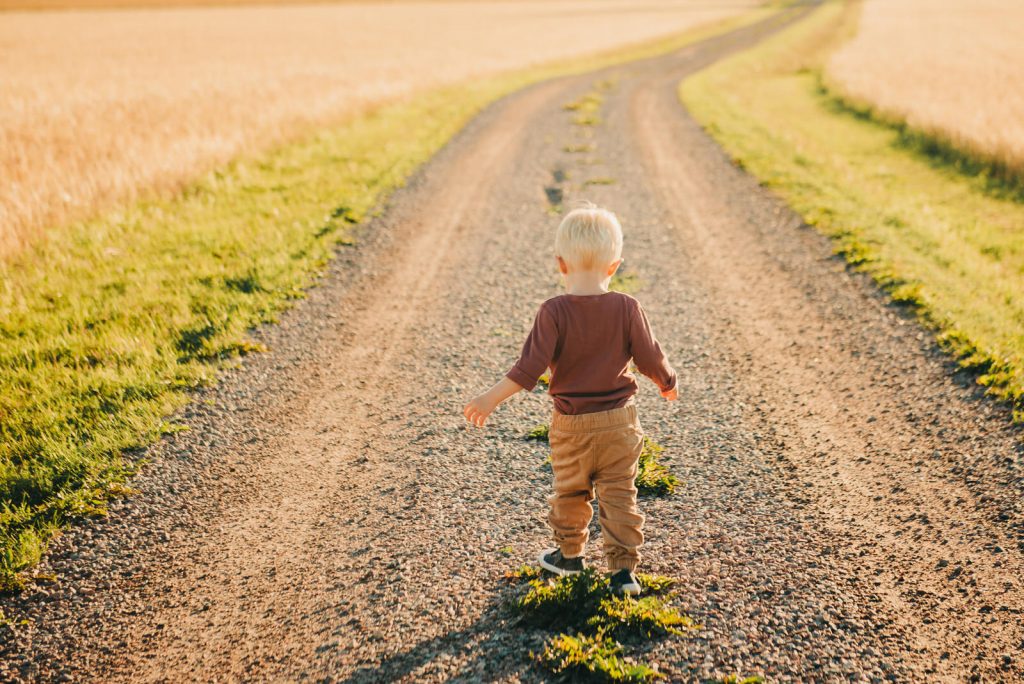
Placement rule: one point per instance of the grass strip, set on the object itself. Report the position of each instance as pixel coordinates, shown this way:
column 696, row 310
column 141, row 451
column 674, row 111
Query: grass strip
column 931, row 231
column 107, row 324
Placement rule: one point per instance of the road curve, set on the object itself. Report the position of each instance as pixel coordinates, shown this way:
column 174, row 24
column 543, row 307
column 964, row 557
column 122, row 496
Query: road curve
column 851, row 508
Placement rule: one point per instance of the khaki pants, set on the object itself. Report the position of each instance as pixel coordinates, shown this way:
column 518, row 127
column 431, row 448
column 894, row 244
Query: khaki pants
column 597, row 451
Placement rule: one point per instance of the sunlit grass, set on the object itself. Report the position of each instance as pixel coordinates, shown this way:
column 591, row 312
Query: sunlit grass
column 538, row 433
column 653, row 478
column 596, row 623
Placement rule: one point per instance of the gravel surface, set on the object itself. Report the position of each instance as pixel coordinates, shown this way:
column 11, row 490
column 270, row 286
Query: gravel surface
column 851, row 508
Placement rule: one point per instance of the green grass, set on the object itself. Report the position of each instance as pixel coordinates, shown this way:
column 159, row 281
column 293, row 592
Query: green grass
column 934, row 228
column 628, row 283
column 592, row 659
column 653, row 478
column 107, row 325
column 595, row 623
column 590, row 103
column 539, row 433
column 600, row 180
column 587, row 108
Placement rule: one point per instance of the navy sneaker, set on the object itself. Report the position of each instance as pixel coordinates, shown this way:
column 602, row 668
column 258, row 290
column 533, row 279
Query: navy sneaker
column 552, row 560
column 625, row 582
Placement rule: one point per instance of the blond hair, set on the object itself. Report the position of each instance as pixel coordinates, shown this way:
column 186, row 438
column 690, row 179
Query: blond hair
column 589, row 238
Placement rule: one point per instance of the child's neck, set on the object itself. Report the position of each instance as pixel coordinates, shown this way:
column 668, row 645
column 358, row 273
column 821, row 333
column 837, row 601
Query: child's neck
column 586, row 283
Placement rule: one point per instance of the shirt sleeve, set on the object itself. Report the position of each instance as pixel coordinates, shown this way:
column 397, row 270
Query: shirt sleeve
column 538, row 351
column 647, row 354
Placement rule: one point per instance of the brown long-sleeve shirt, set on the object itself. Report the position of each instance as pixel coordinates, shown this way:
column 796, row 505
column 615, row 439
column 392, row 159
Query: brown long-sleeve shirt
column 588, row 341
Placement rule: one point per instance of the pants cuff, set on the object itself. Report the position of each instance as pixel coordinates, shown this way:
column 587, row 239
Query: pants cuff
column 571, row 551
column 621, row 564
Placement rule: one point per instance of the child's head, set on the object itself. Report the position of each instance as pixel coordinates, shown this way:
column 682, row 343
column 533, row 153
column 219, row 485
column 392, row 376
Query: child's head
column 589, row 239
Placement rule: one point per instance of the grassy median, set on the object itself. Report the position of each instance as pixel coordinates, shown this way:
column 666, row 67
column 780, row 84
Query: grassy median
column 940, row 235
column 107, row 324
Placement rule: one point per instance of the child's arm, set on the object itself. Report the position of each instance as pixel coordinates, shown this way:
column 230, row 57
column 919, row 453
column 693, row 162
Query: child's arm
column 648, row 356
column 538, row 350
column 481, row 406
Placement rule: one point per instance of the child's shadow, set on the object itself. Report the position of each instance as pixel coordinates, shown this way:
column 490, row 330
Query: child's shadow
column 491, row 648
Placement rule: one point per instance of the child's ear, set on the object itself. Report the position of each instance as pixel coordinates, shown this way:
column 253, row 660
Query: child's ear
column 562, row 267
column 613, row 267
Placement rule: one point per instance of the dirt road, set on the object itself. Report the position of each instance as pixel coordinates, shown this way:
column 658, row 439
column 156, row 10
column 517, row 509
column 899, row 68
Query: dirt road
column 851, row 510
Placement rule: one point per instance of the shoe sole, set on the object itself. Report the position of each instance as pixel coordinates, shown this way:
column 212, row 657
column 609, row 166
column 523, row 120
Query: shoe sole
column 561, row 572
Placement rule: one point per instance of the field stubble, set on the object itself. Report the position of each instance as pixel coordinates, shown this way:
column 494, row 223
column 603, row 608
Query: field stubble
column 101, row 107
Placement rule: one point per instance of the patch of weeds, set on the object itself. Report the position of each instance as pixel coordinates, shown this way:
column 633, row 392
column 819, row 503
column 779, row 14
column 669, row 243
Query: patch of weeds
column 601, row 180
column 539, row 433
column 524, row 573
column 654, row 584
column 592, row 659
column 10, row 622
column 589, row 103
column 544, row 381
column 627, row 283
column 596, row 622
column 588, row 106
column 645, row 618
column 11, row 582
column 507, row 550
column 566, row 603
column 578, row 149
column 167, row 428
column 736, row 679
column 652, row 477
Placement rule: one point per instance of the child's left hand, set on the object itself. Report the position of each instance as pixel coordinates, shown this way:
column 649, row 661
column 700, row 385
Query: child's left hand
column 478, row 408
column 672, row 394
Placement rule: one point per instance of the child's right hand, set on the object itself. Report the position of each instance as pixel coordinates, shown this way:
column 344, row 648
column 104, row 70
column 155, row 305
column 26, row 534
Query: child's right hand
column 478, row 408
column 672, row 394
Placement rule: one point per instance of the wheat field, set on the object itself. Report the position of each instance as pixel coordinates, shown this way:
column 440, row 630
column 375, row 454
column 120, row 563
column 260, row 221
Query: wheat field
column 952, row 68
column 100, row 107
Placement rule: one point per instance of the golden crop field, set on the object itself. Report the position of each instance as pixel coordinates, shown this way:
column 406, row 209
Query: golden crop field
column 104, row 106
column 948, row 67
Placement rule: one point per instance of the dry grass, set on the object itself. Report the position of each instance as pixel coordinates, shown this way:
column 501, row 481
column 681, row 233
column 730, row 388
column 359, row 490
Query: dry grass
column 101, row 106
column 950, row 68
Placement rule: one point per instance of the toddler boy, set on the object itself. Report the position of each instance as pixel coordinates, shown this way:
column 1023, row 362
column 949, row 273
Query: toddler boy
column 587, row 338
